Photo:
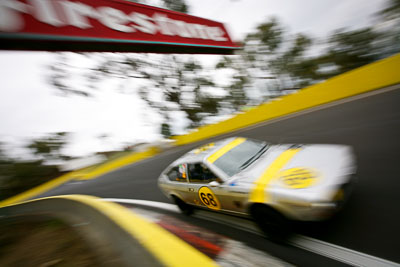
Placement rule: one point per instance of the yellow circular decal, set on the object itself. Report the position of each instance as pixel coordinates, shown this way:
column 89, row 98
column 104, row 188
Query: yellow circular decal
column 298, row 178
column 208, row 198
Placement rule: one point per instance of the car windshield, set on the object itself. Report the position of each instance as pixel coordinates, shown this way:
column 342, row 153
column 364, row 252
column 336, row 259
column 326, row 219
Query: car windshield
column 240, row 156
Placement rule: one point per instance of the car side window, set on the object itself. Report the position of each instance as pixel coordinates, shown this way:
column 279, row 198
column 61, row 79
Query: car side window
column 200, row 173
column 178, row 174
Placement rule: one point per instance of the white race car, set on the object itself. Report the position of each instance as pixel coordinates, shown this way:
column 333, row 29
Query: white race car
column 273, row 184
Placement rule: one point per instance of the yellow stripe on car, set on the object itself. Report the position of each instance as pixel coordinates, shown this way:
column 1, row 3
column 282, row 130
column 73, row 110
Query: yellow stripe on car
column 220, row 152
column 258, row 193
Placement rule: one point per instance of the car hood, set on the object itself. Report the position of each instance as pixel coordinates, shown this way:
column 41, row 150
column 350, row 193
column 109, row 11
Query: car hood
column 329, row 165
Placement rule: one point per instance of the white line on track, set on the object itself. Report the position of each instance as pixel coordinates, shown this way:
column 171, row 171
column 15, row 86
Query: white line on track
column 332, row 251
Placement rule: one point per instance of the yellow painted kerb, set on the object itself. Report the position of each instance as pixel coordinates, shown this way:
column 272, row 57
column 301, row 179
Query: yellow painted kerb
column 365, row 79
column 38, row 190
column 258, row 193
column 84, row 174
column 118, row 163
column 166, row 247
column 220, row 152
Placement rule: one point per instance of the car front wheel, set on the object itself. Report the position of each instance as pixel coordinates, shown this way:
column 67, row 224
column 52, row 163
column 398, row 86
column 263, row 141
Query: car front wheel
column 275, row 226
column 183, row 207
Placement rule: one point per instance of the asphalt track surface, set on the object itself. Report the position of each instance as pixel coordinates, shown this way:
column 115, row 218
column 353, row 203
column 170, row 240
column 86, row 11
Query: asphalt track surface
column 370, row 221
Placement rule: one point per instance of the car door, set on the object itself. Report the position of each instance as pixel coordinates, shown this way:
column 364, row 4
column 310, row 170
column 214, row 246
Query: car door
column 201, row 192
column 178, row 184
column 218, row 197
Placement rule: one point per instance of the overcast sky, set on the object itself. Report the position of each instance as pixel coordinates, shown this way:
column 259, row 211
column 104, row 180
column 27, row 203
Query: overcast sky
column 29, row 107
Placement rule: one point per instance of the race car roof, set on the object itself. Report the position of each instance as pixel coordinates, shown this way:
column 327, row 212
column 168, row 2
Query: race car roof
column 200, row 154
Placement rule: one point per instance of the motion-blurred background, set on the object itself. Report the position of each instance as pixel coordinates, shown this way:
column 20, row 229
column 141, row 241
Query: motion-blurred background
column 56, row 107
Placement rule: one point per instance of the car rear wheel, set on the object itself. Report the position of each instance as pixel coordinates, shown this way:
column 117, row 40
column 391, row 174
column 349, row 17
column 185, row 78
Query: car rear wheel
column 274, row 225
column 183, row 207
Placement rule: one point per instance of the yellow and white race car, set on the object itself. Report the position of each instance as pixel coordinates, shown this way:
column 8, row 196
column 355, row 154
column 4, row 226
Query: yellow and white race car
column 273, row 184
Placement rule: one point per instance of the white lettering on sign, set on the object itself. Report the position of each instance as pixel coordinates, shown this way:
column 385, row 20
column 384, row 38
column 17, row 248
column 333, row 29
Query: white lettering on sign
column 78, row 14
column 114, row 19
column 143, row 23
column 66, row 13
column 45, row 11
column 10, row 19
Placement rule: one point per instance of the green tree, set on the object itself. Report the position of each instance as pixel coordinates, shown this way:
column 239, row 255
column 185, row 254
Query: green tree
column 389, row 29
column 289, row 66
column 269, row 60
column 167, row 83
column 165, row 130
column 271, row 63
column 18, row 175
column 178, row 84
column 276, row 61
column 391, row 10
column 49, row 147
column 176, row 5
column 348, row 50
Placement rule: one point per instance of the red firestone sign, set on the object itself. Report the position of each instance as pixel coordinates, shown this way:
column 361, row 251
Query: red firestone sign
column 107, row 25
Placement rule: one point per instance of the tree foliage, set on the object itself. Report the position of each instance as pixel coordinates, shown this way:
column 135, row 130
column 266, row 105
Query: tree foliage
column 276, row 61
column 269, row 60
column 19, row 175
column 166, row 83
column 49, row 147
column 389, row 28
column 272, row 63
column 347, row 50
column 176, row 5
column 391, row 10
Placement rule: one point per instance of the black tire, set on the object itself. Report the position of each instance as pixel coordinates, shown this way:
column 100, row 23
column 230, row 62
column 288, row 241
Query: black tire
column 275, row 226
column 183, row 207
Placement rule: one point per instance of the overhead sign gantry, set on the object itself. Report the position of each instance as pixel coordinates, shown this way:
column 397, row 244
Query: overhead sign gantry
column 107, row 26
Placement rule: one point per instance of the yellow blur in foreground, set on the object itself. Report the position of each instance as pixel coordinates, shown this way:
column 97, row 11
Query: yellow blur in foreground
column 168, row 249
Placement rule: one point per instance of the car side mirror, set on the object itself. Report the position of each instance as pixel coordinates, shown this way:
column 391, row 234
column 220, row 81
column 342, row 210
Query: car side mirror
column 214, row 184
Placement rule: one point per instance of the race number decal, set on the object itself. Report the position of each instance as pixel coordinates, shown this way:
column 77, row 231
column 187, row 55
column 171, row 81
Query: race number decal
column 208, row 198
column 297, row 178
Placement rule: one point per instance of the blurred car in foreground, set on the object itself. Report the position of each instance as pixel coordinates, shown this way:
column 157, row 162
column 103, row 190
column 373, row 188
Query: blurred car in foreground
column 272, row 184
